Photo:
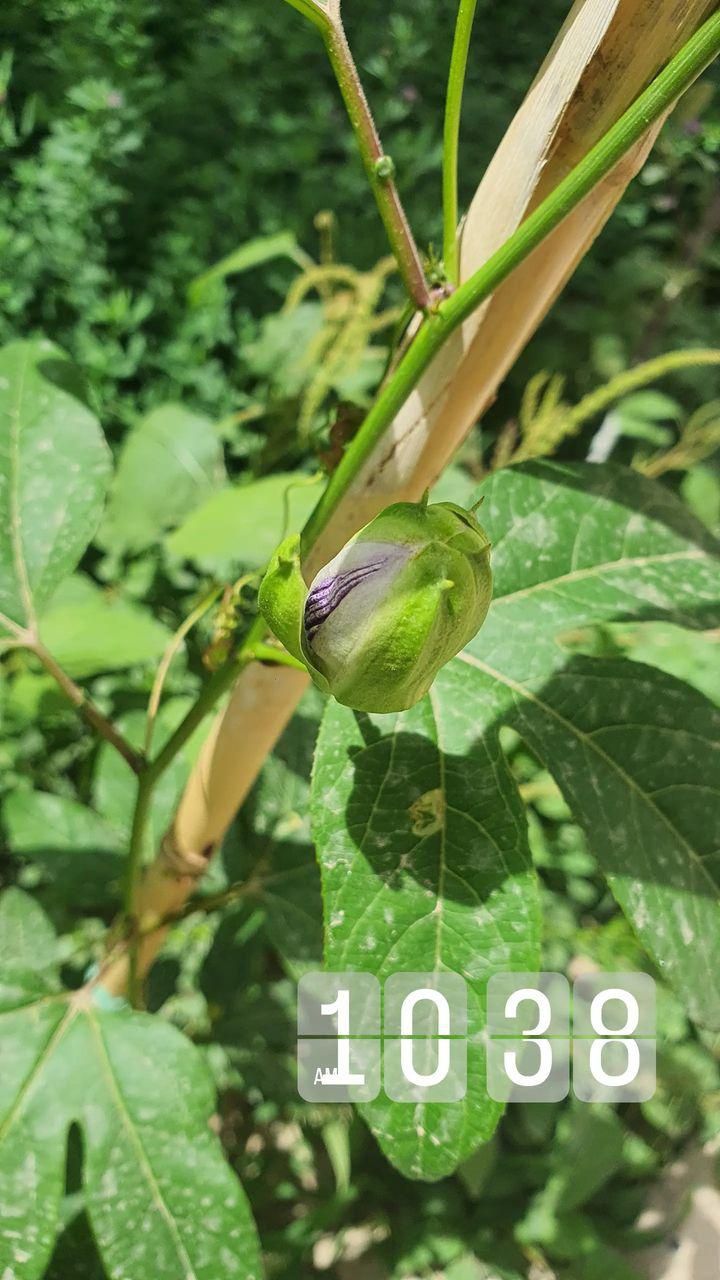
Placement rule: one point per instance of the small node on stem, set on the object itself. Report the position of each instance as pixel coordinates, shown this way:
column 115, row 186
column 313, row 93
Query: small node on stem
column 384, row 168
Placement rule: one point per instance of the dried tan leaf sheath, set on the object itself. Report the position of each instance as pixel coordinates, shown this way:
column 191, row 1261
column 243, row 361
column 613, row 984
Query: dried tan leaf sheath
column 605, row 54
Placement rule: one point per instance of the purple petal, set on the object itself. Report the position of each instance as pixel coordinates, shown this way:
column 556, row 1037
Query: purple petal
column 327, row 595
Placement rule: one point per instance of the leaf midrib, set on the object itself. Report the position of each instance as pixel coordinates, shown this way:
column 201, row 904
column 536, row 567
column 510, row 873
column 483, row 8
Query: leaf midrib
column 591, row 745
column 136, row 1142
column 54, row 1038
column 578, row 575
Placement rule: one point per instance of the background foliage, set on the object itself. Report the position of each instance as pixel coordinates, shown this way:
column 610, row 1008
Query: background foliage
column 143, row 143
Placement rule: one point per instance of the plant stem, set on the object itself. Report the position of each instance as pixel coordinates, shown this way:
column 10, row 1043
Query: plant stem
column 313, row 10
column 218, row 684
column 378, row 167
column 89, row 712
column 271, row 654
column 451, row 136
column 172, row 648
column 656, row 100
column 137, row 840
column 150, row 773
column 676, row 77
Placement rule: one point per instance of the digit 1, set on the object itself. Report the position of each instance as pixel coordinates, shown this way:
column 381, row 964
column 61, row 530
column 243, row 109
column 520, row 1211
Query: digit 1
column 341, row 1006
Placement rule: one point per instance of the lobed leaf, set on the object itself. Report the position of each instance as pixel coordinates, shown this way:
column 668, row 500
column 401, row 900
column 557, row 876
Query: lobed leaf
column 160, row 1197
column 636, row 753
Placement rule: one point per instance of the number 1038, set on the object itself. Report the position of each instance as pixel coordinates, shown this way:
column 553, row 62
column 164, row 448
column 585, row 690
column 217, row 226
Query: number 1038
column 422, row 1036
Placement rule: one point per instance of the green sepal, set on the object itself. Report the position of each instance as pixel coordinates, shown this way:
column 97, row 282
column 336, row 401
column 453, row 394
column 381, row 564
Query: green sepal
column 282, row 595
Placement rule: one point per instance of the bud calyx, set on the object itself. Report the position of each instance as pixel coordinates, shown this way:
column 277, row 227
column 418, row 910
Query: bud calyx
column 401, row 598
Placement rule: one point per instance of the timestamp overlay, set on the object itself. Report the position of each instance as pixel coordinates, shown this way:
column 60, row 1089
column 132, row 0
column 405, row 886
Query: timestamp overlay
column 409, row 1037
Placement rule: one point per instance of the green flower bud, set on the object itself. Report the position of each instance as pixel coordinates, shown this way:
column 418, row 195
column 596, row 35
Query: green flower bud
column 401, row 598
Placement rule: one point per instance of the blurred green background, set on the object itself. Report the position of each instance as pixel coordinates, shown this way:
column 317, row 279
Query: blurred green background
column 143, row 141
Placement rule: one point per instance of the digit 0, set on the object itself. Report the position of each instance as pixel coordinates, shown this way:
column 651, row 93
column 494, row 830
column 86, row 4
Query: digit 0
column 407, row 1010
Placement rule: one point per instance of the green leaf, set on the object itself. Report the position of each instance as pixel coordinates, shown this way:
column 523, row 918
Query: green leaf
column 425, row 866
column 701, row 490
column 27, row 949
column 161, row 1199
column 27, row 939
column 79, row 855
column 243, row 525
column 693, row 657
column 170, row 462
column 285, row 353
column 89, row 630
column 587, row 1153
column 641, row 414
column 254, row 253
column 420, row 832
column 634, row 751
column 471, row 1268
column 54, row 470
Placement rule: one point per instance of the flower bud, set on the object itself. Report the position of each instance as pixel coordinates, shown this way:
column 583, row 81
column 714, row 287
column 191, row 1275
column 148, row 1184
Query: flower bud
column 401, row 598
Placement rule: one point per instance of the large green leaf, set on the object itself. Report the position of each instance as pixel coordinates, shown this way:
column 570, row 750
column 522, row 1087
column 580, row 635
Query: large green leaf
column 161, row 1200
column 54, row 470
column 170, row 462
column 89, row 630
column 636, row 752
column 242, row 526
column 425, row 867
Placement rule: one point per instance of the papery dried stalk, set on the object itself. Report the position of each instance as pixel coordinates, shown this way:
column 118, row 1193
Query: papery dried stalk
column 603, row 57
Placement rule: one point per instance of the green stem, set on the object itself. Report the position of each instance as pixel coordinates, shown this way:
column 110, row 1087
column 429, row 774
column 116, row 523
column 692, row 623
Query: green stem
column 451, row 137
column 137, row 840
column 310, row 9
column 279, row 657
column 219, row 683
column 85, row 705
column 378, row 166
column 676, row 77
